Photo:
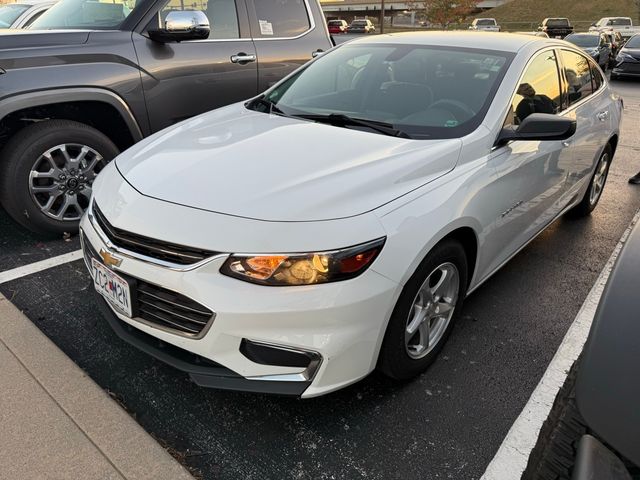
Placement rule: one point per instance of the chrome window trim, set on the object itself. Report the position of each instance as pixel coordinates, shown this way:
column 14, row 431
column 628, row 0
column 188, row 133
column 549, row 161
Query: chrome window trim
column 144, row 258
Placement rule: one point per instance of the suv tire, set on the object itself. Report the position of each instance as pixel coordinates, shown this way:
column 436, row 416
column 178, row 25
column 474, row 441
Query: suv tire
column 46, row 173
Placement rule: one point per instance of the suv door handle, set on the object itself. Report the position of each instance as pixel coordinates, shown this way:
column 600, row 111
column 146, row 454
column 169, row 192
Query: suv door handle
column 317, row 53
column 243, row 58
column 602, row 116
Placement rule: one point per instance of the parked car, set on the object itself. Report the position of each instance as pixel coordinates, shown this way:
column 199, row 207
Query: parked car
column 485, row 25
column 592, row 430
column 595, row 44
column 337, row 26
column 556, row 27
column 622, row 25
column 361, row 26
column 23, row 14
column 97, row 83
column 627, row 62
column 291, row 269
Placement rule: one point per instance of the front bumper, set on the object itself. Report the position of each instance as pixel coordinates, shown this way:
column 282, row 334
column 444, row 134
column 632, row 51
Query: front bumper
column 631, row 69
column 338, row 325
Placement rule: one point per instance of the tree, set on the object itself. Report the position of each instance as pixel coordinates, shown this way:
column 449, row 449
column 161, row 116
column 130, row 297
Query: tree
column 446, row 12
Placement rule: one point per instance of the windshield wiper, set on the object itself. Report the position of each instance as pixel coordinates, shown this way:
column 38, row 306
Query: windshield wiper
column 341, row 120
column 268, row 104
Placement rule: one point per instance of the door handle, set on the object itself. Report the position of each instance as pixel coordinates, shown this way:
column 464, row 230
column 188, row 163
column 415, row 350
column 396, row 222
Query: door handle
column 566, row 143
column 317, row 53
column 602, row 116
column 242, row 58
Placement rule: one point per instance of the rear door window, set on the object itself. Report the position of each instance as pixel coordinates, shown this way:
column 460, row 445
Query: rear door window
column 281, row 18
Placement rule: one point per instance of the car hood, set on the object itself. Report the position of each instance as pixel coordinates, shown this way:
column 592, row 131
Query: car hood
column 14, row 39
column 268, row 167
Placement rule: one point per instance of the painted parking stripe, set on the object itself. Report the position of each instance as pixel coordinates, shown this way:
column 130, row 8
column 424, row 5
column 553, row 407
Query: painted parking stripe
column 512, row 456
column 36, row 267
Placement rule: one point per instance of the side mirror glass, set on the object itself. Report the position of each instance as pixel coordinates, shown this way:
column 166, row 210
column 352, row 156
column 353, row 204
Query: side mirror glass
column 539, row 127
column 181, row 26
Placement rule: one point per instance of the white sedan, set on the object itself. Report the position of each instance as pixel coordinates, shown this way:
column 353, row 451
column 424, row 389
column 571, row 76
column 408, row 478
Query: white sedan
column 334, row 224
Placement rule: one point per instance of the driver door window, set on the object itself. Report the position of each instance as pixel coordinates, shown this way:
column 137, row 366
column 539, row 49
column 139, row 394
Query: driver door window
column 538, row 91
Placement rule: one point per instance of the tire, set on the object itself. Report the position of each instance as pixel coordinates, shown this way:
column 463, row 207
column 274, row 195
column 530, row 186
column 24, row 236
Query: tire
column 400, row 357
column 64, row 178
column 596, row 185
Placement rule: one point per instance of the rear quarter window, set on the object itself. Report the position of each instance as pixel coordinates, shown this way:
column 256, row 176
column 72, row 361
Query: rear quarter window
column 282, row 18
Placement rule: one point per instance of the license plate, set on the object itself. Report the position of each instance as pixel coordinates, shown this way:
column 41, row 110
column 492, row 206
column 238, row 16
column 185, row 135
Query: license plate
column 113, row 288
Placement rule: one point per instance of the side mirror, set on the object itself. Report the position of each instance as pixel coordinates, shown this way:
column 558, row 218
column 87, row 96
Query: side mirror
column 539, row 126
column 181, row 26
column 593, row 24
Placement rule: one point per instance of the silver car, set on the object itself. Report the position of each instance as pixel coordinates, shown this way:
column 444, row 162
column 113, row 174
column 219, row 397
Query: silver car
column 23, row 13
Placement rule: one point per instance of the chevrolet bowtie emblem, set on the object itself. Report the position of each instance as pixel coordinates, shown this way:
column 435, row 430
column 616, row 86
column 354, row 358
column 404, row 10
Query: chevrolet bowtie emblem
column 110, row 259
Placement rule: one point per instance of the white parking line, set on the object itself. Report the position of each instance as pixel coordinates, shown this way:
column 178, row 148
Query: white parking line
column 511, row 459
column 39, row 266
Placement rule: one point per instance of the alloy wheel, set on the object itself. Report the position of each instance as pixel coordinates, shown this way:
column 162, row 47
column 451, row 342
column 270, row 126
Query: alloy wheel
column 61, row 178
column 431, row 311
column 599, row 179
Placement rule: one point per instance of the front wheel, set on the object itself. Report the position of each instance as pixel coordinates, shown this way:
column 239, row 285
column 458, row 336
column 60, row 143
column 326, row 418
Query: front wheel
column 596, row 185
column 425, row 312
column 46, row 173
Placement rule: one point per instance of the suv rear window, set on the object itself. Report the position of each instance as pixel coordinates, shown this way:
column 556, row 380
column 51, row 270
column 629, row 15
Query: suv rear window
column 335, row 23
column 558, row 22
column 282, row 18
column 486, row 22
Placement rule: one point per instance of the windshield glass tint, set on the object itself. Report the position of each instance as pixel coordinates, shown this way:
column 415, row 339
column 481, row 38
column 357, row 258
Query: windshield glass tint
column 634, row 42
column 84, row 14
column 427, row 92
column 10, row 13
column 584, row 40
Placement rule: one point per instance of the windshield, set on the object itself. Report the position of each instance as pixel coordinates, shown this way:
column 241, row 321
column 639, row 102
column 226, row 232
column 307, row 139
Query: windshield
column 84, row 14
column 423, row 91
column 634, row 42
column 486, row 22
column 619, row 21
column 335, row 23
column 584, row 40
column 359, row 22
column 558, row 22
column 10, row 13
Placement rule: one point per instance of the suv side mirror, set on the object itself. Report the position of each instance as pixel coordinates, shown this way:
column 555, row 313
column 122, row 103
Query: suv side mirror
column 539, row 126
column 181, row 26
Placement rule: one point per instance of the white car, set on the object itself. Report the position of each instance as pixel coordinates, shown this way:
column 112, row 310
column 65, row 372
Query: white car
column 485, row 25
column 622, row 25
column 335, row 224
column 23, row 13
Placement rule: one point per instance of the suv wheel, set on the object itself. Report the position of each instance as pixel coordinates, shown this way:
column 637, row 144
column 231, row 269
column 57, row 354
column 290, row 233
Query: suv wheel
column 46, row 173
column 425, row 313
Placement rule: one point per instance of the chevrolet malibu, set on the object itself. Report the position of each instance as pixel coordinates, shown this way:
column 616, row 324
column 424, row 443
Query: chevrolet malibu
column 295, row 242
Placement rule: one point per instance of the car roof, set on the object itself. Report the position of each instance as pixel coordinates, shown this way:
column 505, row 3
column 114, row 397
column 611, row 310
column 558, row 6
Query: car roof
column 505, row 42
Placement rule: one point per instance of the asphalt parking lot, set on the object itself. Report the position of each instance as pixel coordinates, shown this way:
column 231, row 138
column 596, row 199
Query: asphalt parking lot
column 448, row 423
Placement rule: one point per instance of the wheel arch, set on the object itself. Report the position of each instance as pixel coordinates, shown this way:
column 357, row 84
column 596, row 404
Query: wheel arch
column 19, row 110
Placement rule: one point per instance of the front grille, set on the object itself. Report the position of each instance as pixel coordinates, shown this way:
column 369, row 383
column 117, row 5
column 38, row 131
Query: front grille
column 168, row 252
column 158, row 306
column 169, row 309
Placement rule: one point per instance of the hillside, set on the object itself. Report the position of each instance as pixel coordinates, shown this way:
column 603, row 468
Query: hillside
column 580, row 12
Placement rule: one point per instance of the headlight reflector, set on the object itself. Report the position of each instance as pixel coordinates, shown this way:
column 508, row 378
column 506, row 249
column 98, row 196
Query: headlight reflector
column 303, row 268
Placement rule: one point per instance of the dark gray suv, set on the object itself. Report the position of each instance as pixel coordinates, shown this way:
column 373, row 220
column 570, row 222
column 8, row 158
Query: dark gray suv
column 90, row 78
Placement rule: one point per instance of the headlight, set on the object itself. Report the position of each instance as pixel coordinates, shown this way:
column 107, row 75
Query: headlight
column 303, row 268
